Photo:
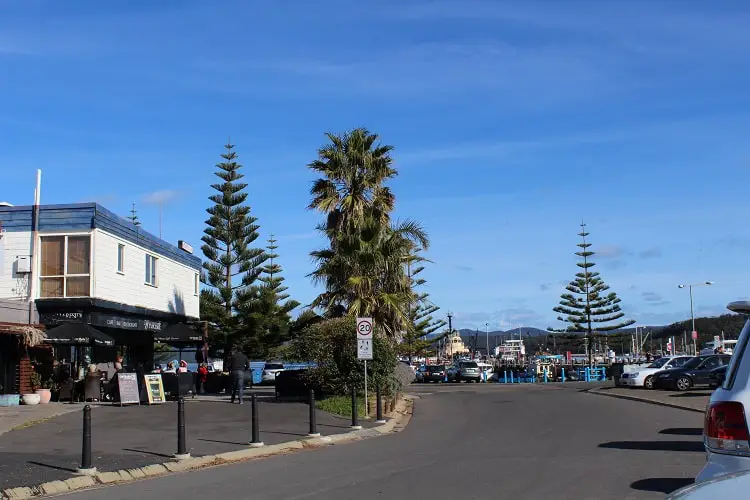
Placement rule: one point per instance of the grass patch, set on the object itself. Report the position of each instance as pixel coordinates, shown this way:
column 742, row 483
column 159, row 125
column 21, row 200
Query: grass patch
column 341, row 405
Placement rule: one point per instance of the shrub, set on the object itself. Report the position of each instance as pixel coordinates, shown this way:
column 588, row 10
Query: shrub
column 332, row 346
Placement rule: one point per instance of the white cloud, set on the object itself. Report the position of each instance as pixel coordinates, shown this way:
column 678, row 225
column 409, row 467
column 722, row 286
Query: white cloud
column 161, row 197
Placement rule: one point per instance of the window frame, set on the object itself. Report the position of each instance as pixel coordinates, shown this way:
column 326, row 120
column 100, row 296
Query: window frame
column 121, row 258
column 154, row 270
column 65, row 275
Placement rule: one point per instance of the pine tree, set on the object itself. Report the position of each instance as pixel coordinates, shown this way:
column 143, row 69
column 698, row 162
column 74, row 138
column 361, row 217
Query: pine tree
column 268, row 316
column 587, row 307
column 133, row 217
column 232, row 265
column 421, row 324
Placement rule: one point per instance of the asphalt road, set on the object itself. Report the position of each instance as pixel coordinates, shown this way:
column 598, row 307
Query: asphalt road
column 473, row 441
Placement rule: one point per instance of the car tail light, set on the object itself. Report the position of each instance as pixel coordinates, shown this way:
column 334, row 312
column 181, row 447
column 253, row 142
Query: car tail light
column 725, row 427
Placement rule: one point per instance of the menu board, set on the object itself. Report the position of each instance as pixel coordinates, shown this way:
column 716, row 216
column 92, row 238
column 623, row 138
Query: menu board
column 127, row 385
column 154, row 388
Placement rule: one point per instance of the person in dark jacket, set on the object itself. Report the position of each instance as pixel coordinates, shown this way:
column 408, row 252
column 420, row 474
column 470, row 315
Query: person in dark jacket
column 238, row 363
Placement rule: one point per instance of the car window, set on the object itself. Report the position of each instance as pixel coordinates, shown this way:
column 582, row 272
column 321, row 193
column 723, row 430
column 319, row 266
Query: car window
column 736, row 359
column 678, row 362
column 711, row 363
column 274, row 366
column 469, row 364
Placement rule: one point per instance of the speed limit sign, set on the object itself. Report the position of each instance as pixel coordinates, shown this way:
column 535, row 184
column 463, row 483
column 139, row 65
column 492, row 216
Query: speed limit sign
column 364, row 328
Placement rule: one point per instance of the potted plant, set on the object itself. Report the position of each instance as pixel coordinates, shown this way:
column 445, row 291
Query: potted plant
column 35, row 380
column 45, row 391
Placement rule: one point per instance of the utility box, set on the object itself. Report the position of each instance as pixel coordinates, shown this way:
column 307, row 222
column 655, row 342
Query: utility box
column 23, row 264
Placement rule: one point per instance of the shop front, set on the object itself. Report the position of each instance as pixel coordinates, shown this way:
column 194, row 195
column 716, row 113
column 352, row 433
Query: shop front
column 92, row 331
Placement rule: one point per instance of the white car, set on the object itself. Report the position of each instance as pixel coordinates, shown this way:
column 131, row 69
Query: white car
column 728, row 486
column 270, row 370
column 725, row 432
column 643, row 377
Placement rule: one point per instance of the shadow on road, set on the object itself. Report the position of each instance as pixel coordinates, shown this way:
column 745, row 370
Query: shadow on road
column 695, row 446
column 661, row 484
column 683, row 431
column 55, row 467
column 145, row 452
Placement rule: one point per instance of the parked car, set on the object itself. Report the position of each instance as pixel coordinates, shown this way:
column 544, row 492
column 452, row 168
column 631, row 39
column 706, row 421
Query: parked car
column 270, row 370
column 419, row 374
column 644, row 377
column 452, row 372
column 727, row 486
column 725, row 433
column 434, row 373
column 716, row 377
column 693, row 373
column 468, row 371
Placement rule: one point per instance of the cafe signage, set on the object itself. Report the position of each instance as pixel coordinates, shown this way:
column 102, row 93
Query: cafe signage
column 111, row 321
column 61, row 317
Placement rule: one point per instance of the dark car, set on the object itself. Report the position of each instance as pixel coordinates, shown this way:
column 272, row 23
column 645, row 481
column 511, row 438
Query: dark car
column 434, row 373
column 694, row 372
column 716, row 376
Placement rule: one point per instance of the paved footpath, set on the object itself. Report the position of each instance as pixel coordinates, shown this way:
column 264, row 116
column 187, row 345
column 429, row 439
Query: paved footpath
column 135, row 436
column 473, row 441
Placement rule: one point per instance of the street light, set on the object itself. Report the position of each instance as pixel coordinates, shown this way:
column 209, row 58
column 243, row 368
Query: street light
column 692, row 315
column 487, row 338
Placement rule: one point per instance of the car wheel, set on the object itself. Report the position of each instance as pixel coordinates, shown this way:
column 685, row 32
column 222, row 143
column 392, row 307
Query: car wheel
column 683, row 384
column 648, row 383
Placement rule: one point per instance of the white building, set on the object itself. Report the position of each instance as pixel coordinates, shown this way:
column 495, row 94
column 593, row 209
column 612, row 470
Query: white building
column 83, row 264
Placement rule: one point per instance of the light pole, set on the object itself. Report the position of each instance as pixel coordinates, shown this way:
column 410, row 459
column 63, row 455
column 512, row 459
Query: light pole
column 450, row 332
column 692, row 315
column 487, row 338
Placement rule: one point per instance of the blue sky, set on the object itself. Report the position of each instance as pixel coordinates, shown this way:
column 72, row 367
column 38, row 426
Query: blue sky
column 511, row 121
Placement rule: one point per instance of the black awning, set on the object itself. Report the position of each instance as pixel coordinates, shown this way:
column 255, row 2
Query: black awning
column 77, row 333
column 178, row 334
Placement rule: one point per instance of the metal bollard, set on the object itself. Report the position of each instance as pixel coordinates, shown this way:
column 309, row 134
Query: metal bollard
column 562, row 371
column 545, row 377
column 378, row 406
column 86, row 467
column 505, row 377
column 182, row 452
column 313, row 424
column 355, row 413
column 256, row 442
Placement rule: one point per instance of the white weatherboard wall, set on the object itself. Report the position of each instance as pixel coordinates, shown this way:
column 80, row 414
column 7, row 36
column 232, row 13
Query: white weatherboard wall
column 12, row 245
column 175, row 290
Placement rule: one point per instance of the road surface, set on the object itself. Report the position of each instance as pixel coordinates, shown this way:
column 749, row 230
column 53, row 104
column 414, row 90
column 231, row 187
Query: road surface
column 473, row 441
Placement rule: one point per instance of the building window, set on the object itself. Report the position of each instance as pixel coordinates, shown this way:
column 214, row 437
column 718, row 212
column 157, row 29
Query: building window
column 121, row 258
column 65, row 266
column 196, row 287
column 151, row 270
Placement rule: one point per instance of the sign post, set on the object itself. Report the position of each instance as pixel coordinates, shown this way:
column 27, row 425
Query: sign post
column 364, row 349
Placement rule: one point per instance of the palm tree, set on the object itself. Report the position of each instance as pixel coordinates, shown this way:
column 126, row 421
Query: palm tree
column 364, row 274
column 351, row 190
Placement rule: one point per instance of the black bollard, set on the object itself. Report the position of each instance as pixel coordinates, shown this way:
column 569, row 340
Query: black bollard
column 313, row 425
column 86, row 467
column 256, row 442
column 355, row 413
column 378, row 406
column 182, row 452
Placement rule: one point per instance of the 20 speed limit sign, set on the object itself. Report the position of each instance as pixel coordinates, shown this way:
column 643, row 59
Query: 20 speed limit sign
column 364, row 328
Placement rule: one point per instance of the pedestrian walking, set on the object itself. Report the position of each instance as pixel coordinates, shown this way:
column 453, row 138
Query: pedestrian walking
column 238, row 364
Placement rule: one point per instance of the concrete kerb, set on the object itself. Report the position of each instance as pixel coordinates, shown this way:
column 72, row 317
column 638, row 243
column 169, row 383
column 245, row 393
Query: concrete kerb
column 600, row 392
column 399, row 419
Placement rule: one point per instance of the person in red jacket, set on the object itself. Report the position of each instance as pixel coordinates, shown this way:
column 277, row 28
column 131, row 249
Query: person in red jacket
column 202, row 377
